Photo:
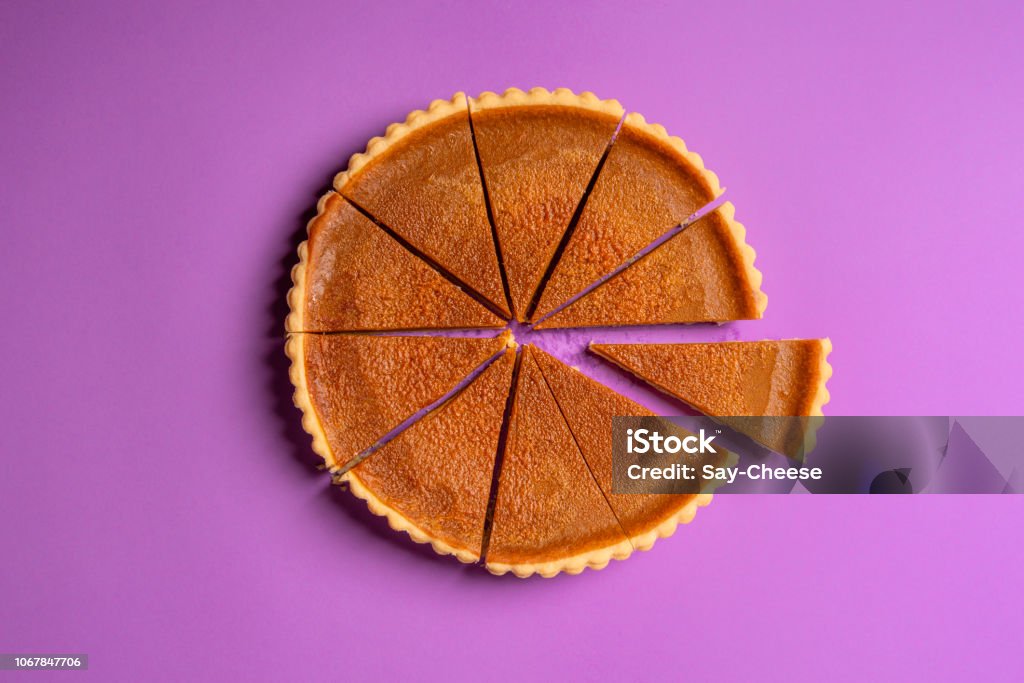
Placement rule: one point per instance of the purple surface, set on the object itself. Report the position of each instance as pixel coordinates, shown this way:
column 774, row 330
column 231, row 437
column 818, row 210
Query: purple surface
column 159, row 509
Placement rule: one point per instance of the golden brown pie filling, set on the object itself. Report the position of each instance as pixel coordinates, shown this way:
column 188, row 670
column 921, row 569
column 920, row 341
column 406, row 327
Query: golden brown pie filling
column 476, row 211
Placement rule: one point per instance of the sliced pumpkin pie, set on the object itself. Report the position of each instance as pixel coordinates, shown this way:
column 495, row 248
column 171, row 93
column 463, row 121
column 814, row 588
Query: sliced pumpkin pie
column 434, row 479
column 703, row 274
column 739, row 379
column 588, row 408
column 353, row 276
column 550, row 515
column 649, row 184
column 526, row 204
column 423, row 182
column 354, row 389
column 539, row 151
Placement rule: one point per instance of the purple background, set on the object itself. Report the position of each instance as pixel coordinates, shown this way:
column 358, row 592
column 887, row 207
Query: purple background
column 158, row 508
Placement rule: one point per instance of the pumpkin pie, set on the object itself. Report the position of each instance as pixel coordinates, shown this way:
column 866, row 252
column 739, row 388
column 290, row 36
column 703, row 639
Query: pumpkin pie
column 353, row 276
column 353, row 389
column 422, row 180
column 539, row 151
column 649, row 184
column 588, row 408
column 479, row 210
column 735, row 380
column 550, row 515
column 434, row 479
column 705, row 273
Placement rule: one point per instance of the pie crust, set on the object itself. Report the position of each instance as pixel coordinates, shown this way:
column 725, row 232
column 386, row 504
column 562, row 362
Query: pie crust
column 294, row 348
column 594, row 559
column 399, row 522
column 514, row 97
column 296, row 297
column 436, row 111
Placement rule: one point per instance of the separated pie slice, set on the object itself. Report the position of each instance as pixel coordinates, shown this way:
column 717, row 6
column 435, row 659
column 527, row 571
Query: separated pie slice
column 649, row 184
column 422, row 180
column 538, row 151
column 588, row 408
column 434, row 479
column 704, row 274
column 352, row 276
column 550, row 516
column 739, row 379
column 354, row 389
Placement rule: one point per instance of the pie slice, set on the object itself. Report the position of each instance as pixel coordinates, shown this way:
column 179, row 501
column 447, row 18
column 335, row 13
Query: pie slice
column 784, row 378
column 704, row 274
column 434, row 479
column 550, row 516
column 422, row 181
column 352, row 276
column 588, row 408
column 354, row 389
column 538, row 151
column 649, row 184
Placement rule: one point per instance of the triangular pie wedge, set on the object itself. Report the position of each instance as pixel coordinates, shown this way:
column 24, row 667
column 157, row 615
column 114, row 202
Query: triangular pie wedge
column 649, row 184
column 785, row 378
column 588, row 408
column 703, row 274
column 538, row 151
column 433, row 480
column 354, row 389
column 422, row 180
column 352, row 276
column 550, row 515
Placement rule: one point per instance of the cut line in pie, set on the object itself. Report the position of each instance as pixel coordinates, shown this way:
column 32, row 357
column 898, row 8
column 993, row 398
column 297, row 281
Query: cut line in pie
column 588, row 408
column 539, row 151
column 550, row 514
column 422, row 488
column 353, row 389
column 352, row 276
column 541, row 205
column 649, row 184
column 422, row 174
column 703, row 274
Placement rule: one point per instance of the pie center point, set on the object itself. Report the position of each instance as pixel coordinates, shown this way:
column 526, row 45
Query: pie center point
column 523, row 334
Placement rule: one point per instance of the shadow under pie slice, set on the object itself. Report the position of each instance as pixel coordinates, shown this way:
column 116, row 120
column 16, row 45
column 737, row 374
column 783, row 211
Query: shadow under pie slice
column 739, row 379
column 422, row 180
column 353, row 276
column 588, row 408
column 354, row 389
column 703, row 274
column 433, row 480
column 538, row 151
column 649, row 184
column 550, row 516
